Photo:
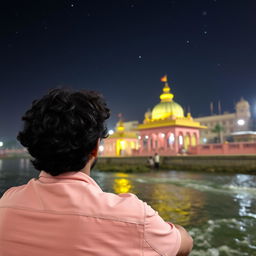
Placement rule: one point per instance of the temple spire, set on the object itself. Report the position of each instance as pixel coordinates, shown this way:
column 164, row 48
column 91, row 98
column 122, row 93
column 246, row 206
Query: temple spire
column 120, row 123
column 166, row 96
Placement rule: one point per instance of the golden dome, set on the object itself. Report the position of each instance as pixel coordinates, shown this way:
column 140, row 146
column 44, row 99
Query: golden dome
column 167, row 108
column 164, row 110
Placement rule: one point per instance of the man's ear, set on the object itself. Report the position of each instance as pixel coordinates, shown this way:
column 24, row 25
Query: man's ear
column 96, row 149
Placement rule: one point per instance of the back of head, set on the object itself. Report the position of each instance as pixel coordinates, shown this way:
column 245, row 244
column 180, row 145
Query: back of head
column 62, row 129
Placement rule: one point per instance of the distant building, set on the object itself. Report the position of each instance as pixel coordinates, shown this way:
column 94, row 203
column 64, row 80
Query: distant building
column 123, row 141
column 220, row 128
column 128, row 126
column 247, row 136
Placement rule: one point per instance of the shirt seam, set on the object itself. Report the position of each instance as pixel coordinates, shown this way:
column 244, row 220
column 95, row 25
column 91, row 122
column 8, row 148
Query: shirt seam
column 144, row 238
column 72, row 213
column 178, row 239
column 152, row 247
column 159, row 253
column 144, row 222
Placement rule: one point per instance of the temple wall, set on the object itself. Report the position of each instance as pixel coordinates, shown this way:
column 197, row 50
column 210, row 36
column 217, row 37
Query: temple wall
column 237, row 148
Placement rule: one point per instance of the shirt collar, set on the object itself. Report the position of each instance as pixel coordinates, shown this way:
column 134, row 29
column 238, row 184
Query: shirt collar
column 80, row 176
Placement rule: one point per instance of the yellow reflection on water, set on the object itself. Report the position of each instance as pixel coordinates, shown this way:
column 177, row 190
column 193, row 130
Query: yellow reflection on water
column 175, row 204
column 122, row 184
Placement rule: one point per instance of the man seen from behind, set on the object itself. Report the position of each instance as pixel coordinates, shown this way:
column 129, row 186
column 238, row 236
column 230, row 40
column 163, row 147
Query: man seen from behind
column 64, row 212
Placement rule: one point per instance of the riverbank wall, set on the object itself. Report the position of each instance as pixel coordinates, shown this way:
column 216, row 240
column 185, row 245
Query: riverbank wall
column 212, row 163
column 208, row 163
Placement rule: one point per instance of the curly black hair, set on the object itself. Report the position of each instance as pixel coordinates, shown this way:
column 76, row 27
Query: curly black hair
column 62, row 128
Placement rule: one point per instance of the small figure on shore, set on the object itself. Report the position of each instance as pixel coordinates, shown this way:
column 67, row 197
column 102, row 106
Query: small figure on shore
column 182, row 151
column 157, row 160
column 151, row 162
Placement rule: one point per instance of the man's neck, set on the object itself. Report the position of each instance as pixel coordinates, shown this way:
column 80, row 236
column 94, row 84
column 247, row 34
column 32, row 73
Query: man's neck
column 87, row 169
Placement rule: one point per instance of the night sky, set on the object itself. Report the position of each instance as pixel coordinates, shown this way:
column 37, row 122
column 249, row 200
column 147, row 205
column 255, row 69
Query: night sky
column 122, row 48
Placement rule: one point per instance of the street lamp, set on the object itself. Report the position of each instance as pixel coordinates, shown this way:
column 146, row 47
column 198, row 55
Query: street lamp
column 110, row 132
column 240, row 122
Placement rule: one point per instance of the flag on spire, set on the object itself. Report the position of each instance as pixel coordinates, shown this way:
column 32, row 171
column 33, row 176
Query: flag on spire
column 164, row 79
column 120, row 116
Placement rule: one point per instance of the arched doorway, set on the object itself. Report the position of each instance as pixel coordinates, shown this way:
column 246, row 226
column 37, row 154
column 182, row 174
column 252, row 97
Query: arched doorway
column 187, row 141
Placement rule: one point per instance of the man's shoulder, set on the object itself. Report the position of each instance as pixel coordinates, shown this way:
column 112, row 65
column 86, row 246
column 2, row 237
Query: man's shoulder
column 9, row 194
column 126, row 206
column 12, row 190
column 19, row 189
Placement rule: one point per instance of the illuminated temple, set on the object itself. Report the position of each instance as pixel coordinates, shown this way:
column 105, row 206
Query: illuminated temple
column 121, row 142
column 165, row 130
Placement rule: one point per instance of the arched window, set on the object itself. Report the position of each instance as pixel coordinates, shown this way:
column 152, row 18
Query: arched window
column 187, row 141
column 145, row 142
column 170, row 140
column 193, row 140
column 181, row 140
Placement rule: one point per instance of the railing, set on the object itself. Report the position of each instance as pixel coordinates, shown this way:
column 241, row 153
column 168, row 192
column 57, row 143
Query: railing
column 234, row 148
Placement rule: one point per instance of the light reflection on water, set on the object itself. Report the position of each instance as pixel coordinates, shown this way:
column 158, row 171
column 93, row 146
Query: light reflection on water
column 24, row 164
column 219, row 210
column 172, row 202
column 121, row 184
column 175, row 205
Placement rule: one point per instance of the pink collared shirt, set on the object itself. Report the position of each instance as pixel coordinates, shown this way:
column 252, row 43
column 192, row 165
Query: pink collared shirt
column 69, row 215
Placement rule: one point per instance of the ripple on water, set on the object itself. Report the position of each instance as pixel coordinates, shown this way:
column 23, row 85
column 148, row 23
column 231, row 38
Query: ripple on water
column 202, row 185
column 212, row 239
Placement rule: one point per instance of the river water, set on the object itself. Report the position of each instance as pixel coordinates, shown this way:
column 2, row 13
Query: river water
column 219, row 210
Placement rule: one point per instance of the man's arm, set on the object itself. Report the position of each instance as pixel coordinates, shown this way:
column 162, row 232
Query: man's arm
column 186, row 242
column 164, row 238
